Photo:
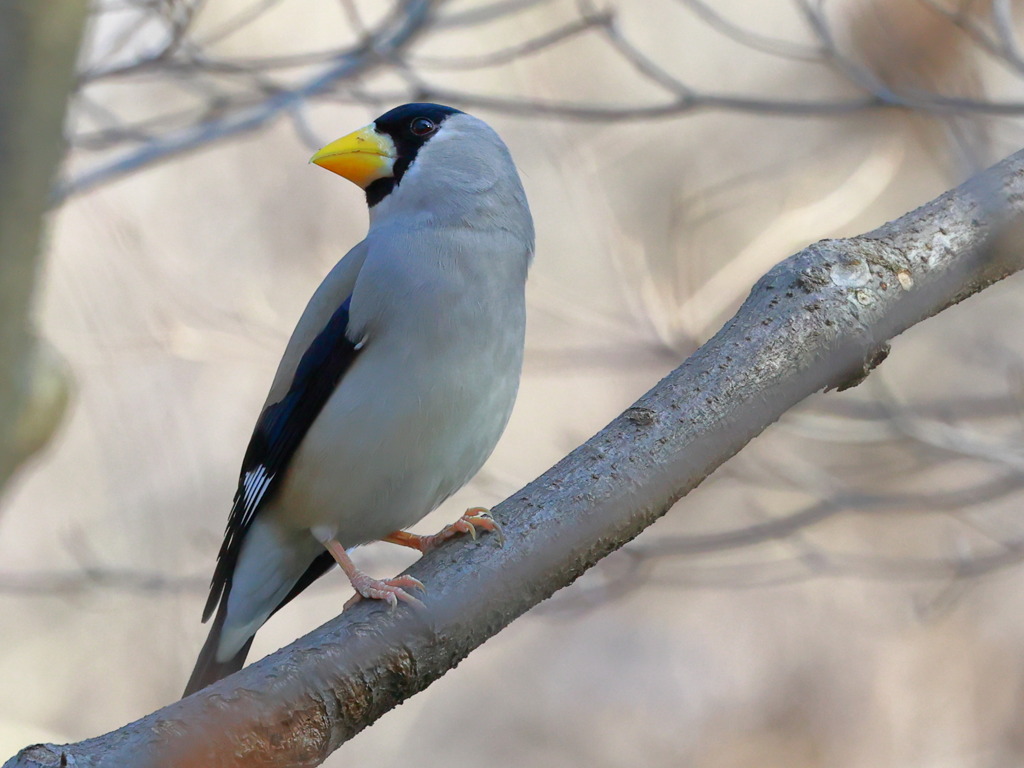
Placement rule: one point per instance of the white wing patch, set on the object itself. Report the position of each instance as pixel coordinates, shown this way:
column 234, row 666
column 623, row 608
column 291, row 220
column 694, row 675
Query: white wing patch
column 255, row 485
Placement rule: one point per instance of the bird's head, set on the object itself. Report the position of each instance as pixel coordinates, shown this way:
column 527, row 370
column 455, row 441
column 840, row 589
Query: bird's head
column 377, row 156
column 434, row 161
column 445, row 145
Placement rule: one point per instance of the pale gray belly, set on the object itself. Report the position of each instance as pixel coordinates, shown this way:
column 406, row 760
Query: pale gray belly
column 385, row 452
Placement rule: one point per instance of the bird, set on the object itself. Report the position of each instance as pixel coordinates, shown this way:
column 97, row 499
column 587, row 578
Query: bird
column 397, row 381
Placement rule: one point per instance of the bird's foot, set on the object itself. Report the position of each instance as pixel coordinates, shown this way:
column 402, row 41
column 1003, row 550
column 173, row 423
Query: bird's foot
column 388, row 590
column 474, row 519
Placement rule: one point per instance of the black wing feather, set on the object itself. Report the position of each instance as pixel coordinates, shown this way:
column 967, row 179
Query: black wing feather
column 279, row 432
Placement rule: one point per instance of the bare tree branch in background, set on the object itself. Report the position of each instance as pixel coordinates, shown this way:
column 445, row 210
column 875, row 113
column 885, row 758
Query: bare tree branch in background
column 822, row 318
column 38, row 47
column 227, row 114
column 213, row 96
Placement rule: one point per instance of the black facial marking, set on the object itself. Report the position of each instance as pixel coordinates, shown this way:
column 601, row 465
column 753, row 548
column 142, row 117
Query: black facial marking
column 410, row 126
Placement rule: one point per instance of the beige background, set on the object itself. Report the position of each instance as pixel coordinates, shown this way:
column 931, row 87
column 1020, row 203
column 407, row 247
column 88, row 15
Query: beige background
column 853, row 643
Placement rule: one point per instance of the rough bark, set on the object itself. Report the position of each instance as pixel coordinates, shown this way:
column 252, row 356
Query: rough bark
column 821, row 318
column 38, row 48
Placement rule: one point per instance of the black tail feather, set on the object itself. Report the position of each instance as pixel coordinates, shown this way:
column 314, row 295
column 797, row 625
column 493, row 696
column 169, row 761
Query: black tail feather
column 208, row 670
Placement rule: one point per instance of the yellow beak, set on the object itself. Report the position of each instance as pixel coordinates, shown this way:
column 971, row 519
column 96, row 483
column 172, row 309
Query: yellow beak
column 362, row 157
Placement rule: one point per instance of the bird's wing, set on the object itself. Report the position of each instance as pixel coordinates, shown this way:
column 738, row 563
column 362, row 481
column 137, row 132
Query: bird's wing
column 336, row 286
column 285, row 421
column 279, row 431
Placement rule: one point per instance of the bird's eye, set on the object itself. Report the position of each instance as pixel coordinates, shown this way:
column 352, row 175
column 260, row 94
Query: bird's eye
column 421, row 126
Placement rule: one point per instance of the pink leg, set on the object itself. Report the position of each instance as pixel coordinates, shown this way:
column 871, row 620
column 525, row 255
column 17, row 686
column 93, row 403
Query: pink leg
column 473, row 519
column 389, row 590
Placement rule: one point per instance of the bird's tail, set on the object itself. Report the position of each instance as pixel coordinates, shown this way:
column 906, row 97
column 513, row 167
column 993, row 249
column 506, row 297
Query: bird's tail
column 208, row 670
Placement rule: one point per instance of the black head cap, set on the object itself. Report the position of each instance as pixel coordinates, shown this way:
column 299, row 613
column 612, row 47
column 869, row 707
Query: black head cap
column 410, row 126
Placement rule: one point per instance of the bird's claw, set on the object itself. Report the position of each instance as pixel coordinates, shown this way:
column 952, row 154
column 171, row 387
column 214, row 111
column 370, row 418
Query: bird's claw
column 388, row 590
column 474, row 520
column 480, row 518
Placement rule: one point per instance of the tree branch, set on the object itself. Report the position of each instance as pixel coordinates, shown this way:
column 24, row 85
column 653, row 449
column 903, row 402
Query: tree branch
column 214, row 94
column 818, row 319
column 395, row 33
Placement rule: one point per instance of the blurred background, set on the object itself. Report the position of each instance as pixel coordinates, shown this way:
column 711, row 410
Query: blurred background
column 847, row 591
